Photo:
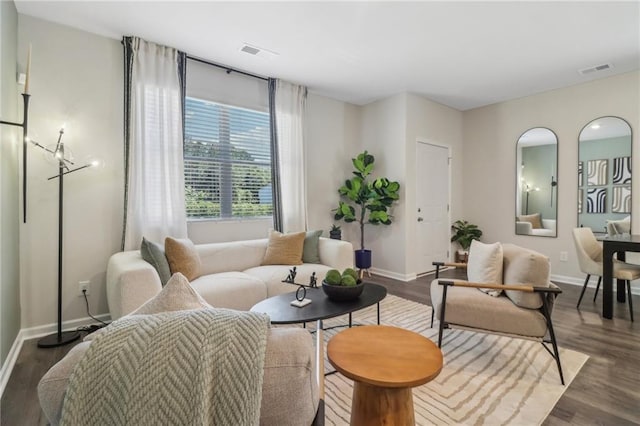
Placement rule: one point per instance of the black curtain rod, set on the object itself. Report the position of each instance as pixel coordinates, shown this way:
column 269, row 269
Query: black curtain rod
column 226, row 68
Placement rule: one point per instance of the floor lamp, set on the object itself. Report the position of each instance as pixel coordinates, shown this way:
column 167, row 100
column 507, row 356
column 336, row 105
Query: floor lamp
column 60, row 338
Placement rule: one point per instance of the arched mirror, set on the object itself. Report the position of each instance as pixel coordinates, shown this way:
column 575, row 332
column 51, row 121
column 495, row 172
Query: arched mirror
column 604, row 176
column 537, row 183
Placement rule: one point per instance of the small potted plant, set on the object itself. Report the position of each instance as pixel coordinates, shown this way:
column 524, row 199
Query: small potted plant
column 335, row 232
column 342, row 287
column 464, row 233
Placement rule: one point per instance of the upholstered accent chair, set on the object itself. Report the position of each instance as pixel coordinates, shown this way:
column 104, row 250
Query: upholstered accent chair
column 519, row 308
column 589, row 252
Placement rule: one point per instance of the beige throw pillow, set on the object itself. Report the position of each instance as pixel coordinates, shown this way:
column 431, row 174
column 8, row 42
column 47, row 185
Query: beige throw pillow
column 525, row 267
column 182, row 257
column 534, row 219
column 284, row 249
column 485, row 265
column 177, row 295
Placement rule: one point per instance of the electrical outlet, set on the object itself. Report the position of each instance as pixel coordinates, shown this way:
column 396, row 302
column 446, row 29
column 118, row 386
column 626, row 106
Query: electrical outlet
column 564, row 256
column 83, row 285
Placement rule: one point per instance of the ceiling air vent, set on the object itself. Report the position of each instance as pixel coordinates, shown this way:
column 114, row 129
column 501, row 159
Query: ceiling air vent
column 597, row 68
column 250, row 49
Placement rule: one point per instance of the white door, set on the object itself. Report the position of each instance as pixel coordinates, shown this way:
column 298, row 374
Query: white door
column 432, row 203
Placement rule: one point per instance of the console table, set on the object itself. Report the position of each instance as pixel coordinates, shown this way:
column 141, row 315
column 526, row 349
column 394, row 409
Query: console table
column 610, row 245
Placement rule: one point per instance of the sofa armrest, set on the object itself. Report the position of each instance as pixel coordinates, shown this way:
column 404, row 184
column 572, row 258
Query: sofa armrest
column 549, row 224
column 336, row 254
column 523, row 228
column 131, row 281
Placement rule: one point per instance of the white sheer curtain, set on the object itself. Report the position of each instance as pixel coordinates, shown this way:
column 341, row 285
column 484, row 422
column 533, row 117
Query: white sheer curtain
column 155, row 204
column 290, row 104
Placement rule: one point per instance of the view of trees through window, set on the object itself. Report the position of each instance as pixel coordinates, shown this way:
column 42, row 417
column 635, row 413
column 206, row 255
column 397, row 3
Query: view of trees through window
column 227, row 161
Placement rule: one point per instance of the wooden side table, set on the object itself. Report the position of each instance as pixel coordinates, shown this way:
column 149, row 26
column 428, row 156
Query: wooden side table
column 384, row 363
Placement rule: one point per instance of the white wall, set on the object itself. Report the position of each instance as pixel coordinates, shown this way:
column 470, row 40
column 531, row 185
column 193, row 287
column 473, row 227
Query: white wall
column 10, row 138
column 490, row 135
column 332, row 139
column 384, row 135
column 77, row 79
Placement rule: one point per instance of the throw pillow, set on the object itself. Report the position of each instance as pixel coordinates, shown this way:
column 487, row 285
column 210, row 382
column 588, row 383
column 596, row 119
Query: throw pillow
column 485, row 265
column 183, row 257
column 310, row 249
column 284, row 249
column 526, row 267
column 534, row 219
column 177, row 295
column 153, row 253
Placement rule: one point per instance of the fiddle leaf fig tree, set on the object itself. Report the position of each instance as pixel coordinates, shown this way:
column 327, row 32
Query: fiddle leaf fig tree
column 465, row 232
column 362, row 194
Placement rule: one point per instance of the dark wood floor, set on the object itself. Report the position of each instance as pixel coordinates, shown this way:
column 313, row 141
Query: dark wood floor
column 605, row 392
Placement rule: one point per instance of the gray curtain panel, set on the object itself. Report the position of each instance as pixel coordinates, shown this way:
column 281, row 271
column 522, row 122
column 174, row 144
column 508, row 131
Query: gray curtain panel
column 275, row 161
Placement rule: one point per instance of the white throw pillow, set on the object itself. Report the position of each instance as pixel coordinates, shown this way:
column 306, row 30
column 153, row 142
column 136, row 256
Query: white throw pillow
column 485, row 265
column 177, row 295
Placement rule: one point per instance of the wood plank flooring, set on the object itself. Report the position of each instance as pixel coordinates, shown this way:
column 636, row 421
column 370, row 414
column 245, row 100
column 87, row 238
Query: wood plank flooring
column 606, row 391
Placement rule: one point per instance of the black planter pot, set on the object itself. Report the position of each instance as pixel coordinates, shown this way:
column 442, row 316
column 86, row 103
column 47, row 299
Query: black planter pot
column 363, row 259
column 335, row 235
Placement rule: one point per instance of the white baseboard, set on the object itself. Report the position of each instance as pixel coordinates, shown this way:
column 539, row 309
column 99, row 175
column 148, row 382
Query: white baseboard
column 593, row 281
column 10, row 361
column 393, row 275
column 34, row 332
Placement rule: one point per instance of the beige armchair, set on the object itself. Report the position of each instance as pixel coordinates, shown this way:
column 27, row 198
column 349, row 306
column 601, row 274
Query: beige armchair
column 589, row 252
column 522, row 309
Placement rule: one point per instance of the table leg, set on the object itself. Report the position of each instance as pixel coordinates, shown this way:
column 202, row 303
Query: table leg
column 378, row 304
column 320, row 358
column 621, row 289
column 374, row 405
column 607, row 281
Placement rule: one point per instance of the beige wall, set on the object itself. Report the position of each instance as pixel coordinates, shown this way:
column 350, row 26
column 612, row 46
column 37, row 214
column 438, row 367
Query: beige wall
column 10, row 137
column 76, row 79
column 490, row 135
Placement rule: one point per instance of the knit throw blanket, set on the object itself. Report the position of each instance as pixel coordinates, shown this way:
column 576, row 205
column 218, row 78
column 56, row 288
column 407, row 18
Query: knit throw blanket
column 199, row 367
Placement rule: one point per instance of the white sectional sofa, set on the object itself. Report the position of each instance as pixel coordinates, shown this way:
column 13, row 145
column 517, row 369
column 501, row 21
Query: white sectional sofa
column 231, row 274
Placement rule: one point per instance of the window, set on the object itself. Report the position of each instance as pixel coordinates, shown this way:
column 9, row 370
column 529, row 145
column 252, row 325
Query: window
column 227, row 145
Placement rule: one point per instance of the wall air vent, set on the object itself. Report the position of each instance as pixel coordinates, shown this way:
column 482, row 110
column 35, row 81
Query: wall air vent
column 250, row 50
column 597, row 68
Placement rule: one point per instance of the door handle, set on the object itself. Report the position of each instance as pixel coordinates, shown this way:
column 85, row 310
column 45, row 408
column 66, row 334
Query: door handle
column 420, row 219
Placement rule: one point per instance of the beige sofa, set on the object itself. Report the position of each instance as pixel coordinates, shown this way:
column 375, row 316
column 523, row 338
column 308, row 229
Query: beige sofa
column 232, row 276
column 289, row 389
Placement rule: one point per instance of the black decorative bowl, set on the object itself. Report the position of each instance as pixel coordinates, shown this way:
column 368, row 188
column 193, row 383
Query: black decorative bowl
column 341, row 293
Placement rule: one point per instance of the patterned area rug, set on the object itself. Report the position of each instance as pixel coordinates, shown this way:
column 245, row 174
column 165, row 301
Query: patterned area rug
column 486, row 379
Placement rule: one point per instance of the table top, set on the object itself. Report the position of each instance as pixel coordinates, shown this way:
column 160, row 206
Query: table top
column 623, row 238
column 385, row 356
column 280, row 310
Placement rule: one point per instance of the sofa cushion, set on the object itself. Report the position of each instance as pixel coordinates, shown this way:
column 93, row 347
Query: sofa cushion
column 177, row 295
column 310, row 250
column 284, row 249
column 485, row 265
column 470, row 308
column 153, row 253
column 182, row 257
column 272, row 276
column 231, row 290
column 534, row 219
column 523, row 266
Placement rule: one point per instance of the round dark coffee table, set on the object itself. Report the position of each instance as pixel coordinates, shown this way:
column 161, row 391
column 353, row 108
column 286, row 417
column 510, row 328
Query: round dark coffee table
column 321, row 308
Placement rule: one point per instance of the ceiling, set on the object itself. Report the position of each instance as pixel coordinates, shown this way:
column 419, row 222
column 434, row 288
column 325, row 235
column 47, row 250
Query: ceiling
column 461, row 54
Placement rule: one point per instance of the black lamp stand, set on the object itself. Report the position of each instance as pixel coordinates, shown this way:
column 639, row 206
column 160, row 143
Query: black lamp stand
column 25, row 128
column 60, row 338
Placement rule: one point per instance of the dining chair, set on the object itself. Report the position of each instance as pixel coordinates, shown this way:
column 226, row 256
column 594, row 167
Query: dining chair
column 589, row 253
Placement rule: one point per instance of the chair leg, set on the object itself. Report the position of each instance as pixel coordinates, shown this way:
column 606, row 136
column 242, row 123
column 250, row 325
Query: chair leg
column 547, row 314
column 442, row 309
column 630, row 302
column 597, row 288
column 584, row 287
column 433, row 312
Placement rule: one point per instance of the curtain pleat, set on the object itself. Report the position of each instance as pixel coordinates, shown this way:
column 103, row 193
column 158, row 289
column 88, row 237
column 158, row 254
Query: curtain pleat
column 275, row 164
